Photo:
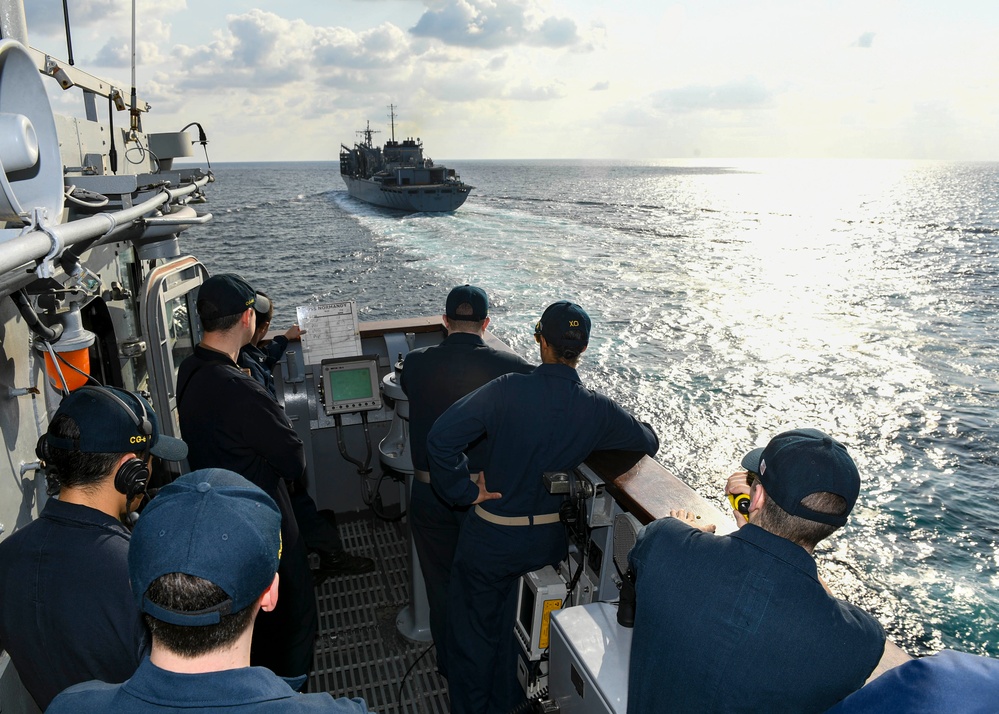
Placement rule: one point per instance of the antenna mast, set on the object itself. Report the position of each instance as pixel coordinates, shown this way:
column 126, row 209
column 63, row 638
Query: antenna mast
column 367, row 133
column 392, row 115
column 135, row 110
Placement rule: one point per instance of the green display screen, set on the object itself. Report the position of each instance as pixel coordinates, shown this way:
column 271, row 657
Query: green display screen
column 350, row 384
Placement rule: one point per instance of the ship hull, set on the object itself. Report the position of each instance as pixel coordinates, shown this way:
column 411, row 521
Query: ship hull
column 434, row 198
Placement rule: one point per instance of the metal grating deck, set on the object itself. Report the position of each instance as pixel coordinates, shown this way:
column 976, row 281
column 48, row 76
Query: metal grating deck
column 359, row 652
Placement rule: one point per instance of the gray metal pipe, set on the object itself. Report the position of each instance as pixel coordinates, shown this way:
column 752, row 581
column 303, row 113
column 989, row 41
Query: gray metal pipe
column 36, row 244
column 13, row 24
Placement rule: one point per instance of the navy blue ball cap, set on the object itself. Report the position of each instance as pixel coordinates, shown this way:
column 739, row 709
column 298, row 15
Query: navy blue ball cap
column 471, row 295
column 751, row 461
column 113, row 421
column 211, row 524
column 801, row 462
column 566, row 325
column 227, row 294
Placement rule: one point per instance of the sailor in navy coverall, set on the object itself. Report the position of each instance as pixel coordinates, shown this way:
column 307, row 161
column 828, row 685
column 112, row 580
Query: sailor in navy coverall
column 543, row 421
column 66, row 610
column 434, row 378
column 231, row 421
column 750, row 626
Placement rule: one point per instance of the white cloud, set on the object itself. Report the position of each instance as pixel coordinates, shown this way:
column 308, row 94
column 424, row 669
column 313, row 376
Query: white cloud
column 380, row 47
column 497, row 63
column 746, row 93
column 556, row 32
column 528, row 91
column 151, row 37
column 866, row 40
column 490, row 24
column 261, row 50
column 46, row 16
column 487, row 78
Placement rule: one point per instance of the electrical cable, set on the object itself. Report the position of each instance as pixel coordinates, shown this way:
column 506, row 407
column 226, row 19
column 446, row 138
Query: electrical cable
column 101, row 201
column 142, row 154
column 578, row 499
column 528, row 705
column 377, row 508
column 371, row 496
column 55, row 362
column 90, row 378
column 367, row 443
column 403, row 682
column 574, row 579
column 362, row 468
column 156, row 159
column 202, row 139
column 566, row 506
column 43, row 331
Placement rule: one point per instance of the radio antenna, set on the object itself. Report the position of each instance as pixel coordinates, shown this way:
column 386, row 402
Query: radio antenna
column 135, row 109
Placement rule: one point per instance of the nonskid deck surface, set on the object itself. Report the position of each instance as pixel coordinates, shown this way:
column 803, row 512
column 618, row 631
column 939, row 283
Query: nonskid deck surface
column 359, row 651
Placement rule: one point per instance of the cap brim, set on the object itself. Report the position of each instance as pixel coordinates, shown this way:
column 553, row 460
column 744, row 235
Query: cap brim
column 751, row 461
column 169, row 448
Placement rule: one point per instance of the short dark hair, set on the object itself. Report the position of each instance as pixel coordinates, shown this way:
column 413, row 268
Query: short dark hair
column 569, row 355
column 190, row 594
column 796, row 529
column 77, row 469
column 212, row 322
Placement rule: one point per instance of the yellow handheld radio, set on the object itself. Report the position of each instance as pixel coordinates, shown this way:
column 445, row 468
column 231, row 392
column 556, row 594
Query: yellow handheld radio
column 740, row 503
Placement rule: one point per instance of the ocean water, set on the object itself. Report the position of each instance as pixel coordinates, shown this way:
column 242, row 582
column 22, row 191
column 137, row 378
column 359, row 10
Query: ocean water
column 731, row 300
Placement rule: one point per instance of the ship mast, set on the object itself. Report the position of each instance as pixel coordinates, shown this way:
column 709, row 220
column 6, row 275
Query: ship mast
column 367, row 133
column 392, row 115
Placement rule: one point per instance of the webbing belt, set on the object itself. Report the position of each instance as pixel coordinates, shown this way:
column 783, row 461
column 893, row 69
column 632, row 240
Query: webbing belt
column 541, row 520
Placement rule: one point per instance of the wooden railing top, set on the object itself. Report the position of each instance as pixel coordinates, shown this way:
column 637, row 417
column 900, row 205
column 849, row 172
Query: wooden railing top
column 649, row 491
column 378, row 328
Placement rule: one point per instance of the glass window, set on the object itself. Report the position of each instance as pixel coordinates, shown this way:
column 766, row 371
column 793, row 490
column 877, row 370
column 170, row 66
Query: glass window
column 179, row 329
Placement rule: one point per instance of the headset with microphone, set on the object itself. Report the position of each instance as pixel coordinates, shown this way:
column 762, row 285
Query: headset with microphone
column 132, row 476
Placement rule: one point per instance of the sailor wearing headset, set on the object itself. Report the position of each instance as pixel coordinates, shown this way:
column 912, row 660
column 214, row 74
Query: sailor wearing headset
column 68, row 615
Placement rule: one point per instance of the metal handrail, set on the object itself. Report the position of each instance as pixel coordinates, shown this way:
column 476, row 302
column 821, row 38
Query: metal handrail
column 178, row 220
column 35, row 245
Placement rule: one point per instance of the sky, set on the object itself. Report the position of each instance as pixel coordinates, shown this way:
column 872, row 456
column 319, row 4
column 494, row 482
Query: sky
column 552, row 79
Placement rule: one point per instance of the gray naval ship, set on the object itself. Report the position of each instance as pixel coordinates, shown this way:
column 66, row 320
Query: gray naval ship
column 398, row 176
column 96, row 286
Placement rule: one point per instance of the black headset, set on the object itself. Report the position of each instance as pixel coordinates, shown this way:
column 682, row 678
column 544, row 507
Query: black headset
column 133, row 474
